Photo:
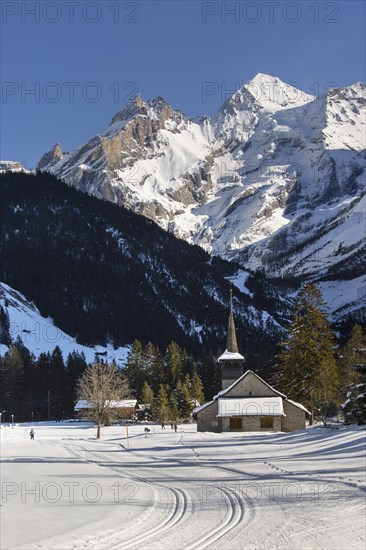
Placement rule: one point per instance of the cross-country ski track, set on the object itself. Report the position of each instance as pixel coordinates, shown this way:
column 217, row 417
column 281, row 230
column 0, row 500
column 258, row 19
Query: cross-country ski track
column 185, row 491
column 175, row 513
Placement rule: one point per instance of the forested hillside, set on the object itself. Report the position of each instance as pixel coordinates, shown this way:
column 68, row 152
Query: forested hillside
column 105, row 274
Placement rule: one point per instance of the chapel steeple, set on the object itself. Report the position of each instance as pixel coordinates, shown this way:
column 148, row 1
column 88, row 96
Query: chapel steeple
column 231, row 360
column 232, row 343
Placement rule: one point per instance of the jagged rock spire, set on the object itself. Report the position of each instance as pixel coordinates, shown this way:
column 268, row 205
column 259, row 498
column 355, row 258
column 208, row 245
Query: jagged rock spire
column 232, row 343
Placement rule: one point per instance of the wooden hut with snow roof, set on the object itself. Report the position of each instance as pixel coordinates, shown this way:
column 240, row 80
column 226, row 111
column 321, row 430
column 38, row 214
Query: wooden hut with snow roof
column 247, row 403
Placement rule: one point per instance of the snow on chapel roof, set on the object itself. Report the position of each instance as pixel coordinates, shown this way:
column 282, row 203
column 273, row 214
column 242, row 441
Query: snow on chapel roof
column 298, row 405
column 230, row 355
column 201, row 407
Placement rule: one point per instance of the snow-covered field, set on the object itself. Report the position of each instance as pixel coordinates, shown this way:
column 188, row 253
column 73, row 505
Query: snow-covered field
column 65, row 490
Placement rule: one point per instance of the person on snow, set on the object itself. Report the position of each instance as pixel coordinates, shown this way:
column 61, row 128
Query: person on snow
column 175, row 427
column 162, row 426
column 31, row 433
column 146, row 431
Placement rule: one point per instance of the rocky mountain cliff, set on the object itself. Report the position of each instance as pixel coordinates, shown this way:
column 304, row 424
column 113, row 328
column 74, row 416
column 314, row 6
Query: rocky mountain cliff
column 275, row 180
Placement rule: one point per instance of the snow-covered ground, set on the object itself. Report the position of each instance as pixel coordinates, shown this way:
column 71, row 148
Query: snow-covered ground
column 65, row 490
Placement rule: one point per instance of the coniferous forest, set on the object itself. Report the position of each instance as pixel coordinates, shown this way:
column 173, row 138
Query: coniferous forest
column 45, row 388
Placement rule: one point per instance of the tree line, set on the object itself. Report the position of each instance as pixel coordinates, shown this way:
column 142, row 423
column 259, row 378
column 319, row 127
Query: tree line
column 42, row 388
column 311, row 368
column 46, row 387
column 170, row 383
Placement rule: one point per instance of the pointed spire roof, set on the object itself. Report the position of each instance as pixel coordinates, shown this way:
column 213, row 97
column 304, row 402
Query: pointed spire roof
column 232, row 343
column 231, row 353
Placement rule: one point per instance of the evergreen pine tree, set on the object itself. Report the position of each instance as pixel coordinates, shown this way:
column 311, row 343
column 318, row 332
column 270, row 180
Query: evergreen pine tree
column 188, row 364
column 162, row 408
column 210, row 375
column 135, row 369
column 57, row 384
column 173, row 359
column 30, row 388
column 155, row 373
column 185, row 401
column 353, row 353
column 148, row 358
column 75, row 366
column 173, row 408
column 197, row 388
column 307, row 370
column 12, row 384
column 5, row 337
column 353, row 363
column 147, row 395
column 42, row 375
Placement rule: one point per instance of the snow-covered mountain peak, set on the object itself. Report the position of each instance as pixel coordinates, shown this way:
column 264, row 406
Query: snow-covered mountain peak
column 51, row 157
column 265, row 181
column 132, row 108
column 357, row 90
column 146, row 117
column 344, row 110
column 152, row 108
column 272, row 94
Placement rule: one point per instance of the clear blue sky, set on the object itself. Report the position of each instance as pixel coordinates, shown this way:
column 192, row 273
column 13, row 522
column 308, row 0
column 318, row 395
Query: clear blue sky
column 84, row 59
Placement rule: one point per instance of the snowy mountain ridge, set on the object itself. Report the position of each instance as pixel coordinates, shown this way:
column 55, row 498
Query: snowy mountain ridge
column 275, row 180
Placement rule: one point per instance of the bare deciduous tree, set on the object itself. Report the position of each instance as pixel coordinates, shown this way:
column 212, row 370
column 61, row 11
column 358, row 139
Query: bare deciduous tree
column 99, row 385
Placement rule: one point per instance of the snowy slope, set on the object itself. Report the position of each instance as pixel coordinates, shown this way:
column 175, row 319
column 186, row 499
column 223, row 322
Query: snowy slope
column 274, row 180
column 39, row 334
column 345, row 297
column 188, row 490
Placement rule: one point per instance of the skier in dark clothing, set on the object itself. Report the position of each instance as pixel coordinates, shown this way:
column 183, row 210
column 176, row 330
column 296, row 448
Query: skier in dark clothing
column 175, row 427
column 31, row 433
column 146, row 431
column 162, row 426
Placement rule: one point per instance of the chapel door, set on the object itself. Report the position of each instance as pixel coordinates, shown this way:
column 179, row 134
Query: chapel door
column 235, row 423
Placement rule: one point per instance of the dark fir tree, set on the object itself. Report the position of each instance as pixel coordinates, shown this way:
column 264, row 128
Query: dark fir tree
column 12, row 384
column 173, row 364
column 4, row 327
column 351, row 354
column 135, row 368
column 147, row 396
column 184, row 398
column 197, row 392
column 307, row 369
column 353, row 363
column 75, row 366
column 162, row 404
